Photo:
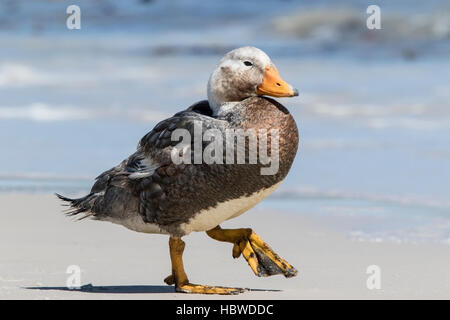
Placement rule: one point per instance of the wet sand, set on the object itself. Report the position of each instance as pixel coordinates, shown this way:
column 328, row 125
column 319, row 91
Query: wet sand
column 38, row 243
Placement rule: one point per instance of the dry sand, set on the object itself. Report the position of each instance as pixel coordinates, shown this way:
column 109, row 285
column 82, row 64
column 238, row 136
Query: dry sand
column 38, row 243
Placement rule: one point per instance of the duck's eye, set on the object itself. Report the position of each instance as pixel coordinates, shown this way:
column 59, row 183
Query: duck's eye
column 248, row 63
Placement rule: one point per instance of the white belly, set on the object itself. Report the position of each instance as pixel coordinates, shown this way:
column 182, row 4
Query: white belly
column 136, row 223
column 210, row 218
column 204, row 220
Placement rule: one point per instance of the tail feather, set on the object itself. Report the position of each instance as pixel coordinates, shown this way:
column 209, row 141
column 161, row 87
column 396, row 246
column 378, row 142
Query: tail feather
column 80, row 205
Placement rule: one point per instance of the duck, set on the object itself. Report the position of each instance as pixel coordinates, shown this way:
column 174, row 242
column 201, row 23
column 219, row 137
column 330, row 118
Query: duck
column 166, row 188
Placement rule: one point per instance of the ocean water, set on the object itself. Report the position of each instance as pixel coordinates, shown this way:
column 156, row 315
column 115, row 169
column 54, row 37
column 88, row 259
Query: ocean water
column 373, row 110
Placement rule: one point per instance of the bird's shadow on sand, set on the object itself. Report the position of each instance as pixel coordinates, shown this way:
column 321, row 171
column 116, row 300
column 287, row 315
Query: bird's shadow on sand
column 128, row 289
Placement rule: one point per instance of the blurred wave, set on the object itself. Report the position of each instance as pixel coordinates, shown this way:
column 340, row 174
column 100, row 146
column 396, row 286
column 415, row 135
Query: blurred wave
column 18, row 75
column 429, row 114
column 42, row 112
column 403, row 200
column 342, row 24
column 189, row 27
column 14, row 74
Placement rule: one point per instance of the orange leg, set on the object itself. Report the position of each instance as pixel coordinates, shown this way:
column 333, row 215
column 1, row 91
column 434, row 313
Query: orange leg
column 180, row 279
column 260, row 257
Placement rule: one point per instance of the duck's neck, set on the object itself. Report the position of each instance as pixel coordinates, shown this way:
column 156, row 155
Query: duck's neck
column 220, row 101
column 222, row 108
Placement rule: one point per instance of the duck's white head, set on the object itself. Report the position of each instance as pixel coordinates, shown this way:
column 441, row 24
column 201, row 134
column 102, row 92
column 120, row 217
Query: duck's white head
column 242, row 73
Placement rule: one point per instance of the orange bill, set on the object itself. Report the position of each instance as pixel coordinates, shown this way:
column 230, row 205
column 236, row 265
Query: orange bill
column 273, row 85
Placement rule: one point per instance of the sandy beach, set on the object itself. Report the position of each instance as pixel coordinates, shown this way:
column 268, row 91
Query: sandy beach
column 38, row 243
